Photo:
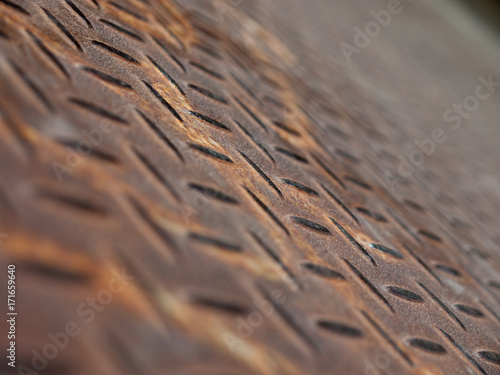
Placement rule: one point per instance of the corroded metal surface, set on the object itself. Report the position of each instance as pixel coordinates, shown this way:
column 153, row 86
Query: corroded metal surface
column 198, row 198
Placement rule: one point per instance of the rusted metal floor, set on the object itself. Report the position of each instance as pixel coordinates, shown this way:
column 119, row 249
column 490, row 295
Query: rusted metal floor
column 209, row 187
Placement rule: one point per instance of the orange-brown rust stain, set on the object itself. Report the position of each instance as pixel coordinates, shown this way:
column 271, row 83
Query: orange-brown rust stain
column 259, row 357
column 132, row 296
column 430, row 370
column 25, row 248
column 181, row 25
column 257, row 266
column 164, row 20
column 260, row 44
column 16, row 125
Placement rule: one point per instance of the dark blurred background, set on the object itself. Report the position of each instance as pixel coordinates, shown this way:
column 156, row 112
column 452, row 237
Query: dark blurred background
column 488, row 10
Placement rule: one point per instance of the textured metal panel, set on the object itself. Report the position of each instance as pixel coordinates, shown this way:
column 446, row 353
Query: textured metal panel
column 184, row 144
